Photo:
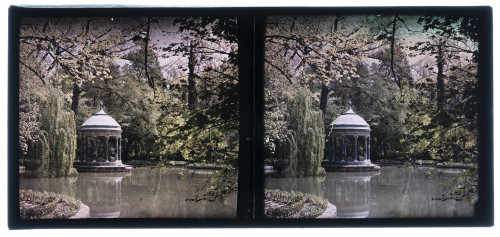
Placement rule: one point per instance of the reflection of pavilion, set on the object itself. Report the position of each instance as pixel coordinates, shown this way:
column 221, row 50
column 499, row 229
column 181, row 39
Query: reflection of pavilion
column 101, row 192
column 350, row 193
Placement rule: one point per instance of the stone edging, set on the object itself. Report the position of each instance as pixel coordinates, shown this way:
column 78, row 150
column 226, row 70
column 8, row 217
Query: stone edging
column 106, row 169
column 330, row 212
column 83, row 212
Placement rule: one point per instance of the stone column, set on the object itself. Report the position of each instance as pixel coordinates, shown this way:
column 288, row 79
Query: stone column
column 120, row 148
column 107, row 149
column 356, row 192
column 95, row 149
column 81, row 150
column 369, row 148
column 343, row 190
column 333, row 191
column 368, row 191
column 356, row 148
column 366, row 145
column 84, row 148
column 116, row 149
column 116, row 191
column 365, row 191
column 334, row 144
column 332, row 148
column 119, row 193
column 343, row 148
column 106, row 199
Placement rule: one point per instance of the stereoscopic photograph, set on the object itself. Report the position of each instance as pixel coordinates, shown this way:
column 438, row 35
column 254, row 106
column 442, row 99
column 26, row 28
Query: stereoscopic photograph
column 128, row 117
column 250, row 117
column 371, row 116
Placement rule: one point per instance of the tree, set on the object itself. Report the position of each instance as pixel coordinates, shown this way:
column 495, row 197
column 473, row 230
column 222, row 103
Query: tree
column 300, row 153
column 389, row 33
column 82, row 47
column 453, row 122
column 173, row 89
column 205, row 129
column 323, row 49
column 447, row 129
column 312, row 53
column 49, row 150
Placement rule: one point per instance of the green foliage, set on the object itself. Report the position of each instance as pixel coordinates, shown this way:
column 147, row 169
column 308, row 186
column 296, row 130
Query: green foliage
column 204, row 128
column 301, row 152
column 378, row 100
column 37, row 205
column 223, row 182
column 448, row 132
column 464, row 187
column 200, row 113
column 52, row 151
column 297, row 45
column 29, row 110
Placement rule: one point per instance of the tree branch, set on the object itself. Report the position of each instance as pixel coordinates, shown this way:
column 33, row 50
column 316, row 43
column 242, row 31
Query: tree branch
column 150, row 82
column 279, row 70
column 392, row 51
column 32, row 70
column 360, row 90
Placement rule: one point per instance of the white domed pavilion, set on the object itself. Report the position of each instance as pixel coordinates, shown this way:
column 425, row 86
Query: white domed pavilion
column 100, row 145
column 349, row 144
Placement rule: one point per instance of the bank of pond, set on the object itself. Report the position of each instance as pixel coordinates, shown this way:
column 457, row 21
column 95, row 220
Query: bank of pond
column 48, row 205
column 178, row 164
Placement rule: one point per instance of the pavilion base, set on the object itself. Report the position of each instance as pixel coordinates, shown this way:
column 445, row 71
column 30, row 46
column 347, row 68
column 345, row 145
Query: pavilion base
column 101, row 169
column 339, row 166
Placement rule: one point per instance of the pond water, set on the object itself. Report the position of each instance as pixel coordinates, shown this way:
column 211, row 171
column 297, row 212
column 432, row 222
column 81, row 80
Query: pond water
column 393, row 192
column 142, row 193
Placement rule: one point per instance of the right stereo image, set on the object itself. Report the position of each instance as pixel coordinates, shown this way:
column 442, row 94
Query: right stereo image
column 371, row 116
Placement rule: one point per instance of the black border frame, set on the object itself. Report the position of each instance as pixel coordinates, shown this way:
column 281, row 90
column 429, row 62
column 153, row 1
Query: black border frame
column 251, row 70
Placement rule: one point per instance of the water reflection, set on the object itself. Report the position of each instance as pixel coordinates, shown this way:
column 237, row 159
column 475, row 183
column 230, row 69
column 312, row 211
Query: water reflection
column 101, row 192
column 350, row 192
column 390, row 193
column 142, row 193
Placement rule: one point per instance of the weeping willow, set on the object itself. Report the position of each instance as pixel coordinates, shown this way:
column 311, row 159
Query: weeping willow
column 53, row 151
column 301, row 152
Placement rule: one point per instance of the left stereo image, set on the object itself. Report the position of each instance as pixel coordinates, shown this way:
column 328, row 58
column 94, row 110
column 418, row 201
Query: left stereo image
column 128, row 117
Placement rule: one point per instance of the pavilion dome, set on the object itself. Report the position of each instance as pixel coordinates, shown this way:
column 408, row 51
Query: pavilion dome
column 101, row 121
column 350, row 120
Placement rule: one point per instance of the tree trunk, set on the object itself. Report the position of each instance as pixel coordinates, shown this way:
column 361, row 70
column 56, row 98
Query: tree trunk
column 75, row 98
column 323, row 99
column 191, row 79
column 440, row 78
column 393, row 40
